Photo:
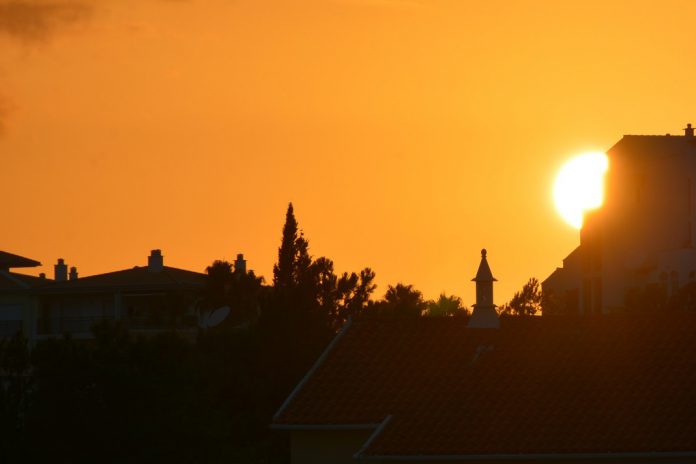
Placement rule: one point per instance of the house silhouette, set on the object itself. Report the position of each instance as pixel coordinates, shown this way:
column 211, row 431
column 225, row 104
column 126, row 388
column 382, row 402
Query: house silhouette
column 145, row 299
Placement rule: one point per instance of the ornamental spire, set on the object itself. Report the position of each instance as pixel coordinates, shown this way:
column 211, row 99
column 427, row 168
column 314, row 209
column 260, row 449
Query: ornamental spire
column 484, row 315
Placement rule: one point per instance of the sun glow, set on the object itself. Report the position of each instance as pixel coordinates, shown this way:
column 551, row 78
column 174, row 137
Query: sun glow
column 579, row 186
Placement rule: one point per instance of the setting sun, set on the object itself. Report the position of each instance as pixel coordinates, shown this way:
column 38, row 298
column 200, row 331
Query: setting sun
column 579, row 186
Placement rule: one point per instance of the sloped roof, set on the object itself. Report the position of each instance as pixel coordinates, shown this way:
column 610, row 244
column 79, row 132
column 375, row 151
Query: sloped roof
column 11, row 281
column 9, row 261
column 137, row 278
column 613, row 384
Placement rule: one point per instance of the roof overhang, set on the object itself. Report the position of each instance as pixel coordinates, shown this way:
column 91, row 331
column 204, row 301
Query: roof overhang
column 675, row 456
column 68, row 289
column 9, row 261
column 685, row 456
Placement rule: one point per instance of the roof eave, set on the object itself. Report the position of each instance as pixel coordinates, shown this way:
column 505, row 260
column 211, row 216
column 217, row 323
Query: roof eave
column 69, row 290
column 686, row 455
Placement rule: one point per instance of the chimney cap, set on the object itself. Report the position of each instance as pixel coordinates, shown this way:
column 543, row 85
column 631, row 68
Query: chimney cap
column 155, row 262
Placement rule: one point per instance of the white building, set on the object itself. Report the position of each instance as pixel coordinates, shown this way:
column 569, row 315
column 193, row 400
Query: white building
column 637, row 250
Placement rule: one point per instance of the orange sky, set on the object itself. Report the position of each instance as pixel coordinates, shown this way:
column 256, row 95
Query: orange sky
column 409, row 134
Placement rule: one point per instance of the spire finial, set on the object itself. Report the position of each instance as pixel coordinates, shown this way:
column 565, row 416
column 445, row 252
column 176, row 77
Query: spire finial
column 483, row 253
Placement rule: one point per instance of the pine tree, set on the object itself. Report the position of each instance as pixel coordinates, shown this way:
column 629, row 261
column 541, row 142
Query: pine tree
column 526, row 302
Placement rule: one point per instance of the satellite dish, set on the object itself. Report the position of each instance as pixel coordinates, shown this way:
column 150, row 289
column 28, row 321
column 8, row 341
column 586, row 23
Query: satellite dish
column 213, row 318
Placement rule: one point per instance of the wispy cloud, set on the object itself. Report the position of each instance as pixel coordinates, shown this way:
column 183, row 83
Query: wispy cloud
column 39, row 20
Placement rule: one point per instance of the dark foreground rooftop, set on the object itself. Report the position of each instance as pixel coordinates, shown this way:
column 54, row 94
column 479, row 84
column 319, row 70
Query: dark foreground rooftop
column 433, row 387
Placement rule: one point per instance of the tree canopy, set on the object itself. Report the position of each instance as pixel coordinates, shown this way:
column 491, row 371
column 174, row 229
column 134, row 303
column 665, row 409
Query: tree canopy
column 526, row 302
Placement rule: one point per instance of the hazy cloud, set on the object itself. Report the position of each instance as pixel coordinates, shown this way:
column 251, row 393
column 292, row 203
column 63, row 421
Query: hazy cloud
column 38, row 20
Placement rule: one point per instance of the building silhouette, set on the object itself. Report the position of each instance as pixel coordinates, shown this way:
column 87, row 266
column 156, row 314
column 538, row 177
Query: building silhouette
column 637, row 250
column 144, row 299
column 17, row 297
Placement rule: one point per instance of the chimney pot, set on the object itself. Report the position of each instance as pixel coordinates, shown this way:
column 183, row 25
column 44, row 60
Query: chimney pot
column 155, row 262
column 240, row 264
column 689, row 131
column 60, row 271
column 73, row 273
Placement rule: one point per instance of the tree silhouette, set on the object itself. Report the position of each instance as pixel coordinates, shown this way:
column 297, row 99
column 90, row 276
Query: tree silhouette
column 241, row 291
column 342, row 297
column 307, row 293
column 217, row 284
column 293, row 256
column 526, row 302
column 447, row 306
column 401, row 300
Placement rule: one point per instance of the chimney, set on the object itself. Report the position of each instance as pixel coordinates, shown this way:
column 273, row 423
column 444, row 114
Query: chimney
column 73, row 273
column 60, row 271
column 689, row 131
column 155, row 262
column 484, row 315
column 240, row 264
column 42, row 276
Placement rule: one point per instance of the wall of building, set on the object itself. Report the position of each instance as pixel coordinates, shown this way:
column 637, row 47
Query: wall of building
column 74, row 314
column 18, row 311
column 326, row 446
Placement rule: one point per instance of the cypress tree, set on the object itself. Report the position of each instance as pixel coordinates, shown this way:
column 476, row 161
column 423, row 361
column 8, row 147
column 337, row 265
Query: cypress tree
column 283, row 270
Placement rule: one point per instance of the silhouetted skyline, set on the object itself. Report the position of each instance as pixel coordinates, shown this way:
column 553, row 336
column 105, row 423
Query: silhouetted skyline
column 406, row 133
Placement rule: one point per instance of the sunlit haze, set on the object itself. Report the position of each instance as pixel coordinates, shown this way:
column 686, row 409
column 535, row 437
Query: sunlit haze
column 579, row 186
column 408, row 134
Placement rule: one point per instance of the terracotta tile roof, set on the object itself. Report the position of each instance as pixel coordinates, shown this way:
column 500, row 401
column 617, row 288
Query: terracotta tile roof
column 135, row 278
column 615, row 384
